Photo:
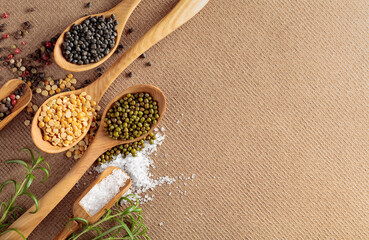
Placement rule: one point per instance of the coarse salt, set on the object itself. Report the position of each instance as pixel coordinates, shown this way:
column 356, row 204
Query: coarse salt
column 138, row 169
column 103, row 192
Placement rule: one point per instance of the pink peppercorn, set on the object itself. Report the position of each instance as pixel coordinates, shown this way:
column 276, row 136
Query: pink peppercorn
column 5, row 15
column 10, row 56
column 5, row 36
column 46, row 57
column 24, row 42
column 48, row 63
column 17, row 50
column 48, row 44
column 12, row 96
column 14, row 102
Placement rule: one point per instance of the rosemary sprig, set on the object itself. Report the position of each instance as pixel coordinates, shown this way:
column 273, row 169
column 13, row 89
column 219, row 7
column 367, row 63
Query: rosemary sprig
column 8, row 210
column 129, row 223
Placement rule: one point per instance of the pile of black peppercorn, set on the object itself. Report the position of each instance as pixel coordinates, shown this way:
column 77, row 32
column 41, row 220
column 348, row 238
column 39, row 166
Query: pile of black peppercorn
column 91, row 40
column 8, row 103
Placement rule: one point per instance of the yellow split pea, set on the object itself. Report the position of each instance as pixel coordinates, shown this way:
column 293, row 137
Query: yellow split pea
column 63, row 120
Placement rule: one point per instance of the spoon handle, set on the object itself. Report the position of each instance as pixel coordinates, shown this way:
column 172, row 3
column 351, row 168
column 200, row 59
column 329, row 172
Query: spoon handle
column 180, row 14
column 68, row 230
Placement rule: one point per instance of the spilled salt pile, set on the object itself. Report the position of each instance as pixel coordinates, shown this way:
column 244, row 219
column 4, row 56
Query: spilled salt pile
column 138, row 168
column 103, row 192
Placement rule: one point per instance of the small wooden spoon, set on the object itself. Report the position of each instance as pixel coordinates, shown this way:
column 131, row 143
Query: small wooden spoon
column 122, row 12
column 181, row 13
column 80, row 212
column 8, row 88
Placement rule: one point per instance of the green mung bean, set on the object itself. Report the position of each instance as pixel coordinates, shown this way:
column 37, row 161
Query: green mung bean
column 131, row 116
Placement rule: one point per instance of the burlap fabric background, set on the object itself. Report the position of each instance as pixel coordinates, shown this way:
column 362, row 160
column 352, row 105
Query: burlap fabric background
column 275, row 117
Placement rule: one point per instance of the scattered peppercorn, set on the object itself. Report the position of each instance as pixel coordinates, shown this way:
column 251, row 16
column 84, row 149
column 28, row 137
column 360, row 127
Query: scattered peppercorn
column 131, row 116
column 149, row 64
column 91, row 40
column 88, row 5
column 27, row 25
column 130, row 74
column 143, row 55
column 31, row 9
column 131, row 30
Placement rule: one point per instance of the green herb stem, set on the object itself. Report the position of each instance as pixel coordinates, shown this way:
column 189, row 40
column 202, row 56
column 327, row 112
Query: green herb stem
column 123, row 218
column 10, row 210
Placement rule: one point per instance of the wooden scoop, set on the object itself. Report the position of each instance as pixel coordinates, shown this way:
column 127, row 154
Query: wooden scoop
column 182, row 12
column 8, row 88
column 122, row 12
column 80, row 212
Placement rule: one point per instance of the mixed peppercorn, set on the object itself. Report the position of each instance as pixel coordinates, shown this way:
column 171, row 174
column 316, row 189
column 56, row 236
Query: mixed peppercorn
column 8, row 103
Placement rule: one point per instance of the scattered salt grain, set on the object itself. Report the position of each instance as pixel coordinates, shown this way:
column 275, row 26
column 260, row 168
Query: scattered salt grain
column 103, row 192
column 160, row 224
column 193, row 176
column 177, row 121
column 138, row 169
column 162, row 129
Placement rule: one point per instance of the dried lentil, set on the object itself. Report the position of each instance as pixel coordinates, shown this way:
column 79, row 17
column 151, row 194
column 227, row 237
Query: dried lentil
column 65, row 118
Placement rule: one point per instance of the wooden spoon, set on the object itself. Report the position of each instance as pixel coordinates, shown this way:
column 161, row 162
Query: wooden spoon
column 8, row 88
column 122, row 12
column 181, row 13
column 80, row 212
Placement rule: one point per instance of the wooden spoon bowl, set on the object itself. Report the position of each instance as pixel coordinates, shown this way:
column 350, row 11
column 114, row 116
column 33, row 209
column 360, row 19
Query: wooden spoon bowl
column 80, row 212
column 122, row 12
column 8, row 88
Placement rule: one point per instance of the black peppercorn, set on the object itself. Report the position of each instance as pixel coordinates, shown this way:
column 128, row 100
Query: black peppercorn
column 91, row 40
